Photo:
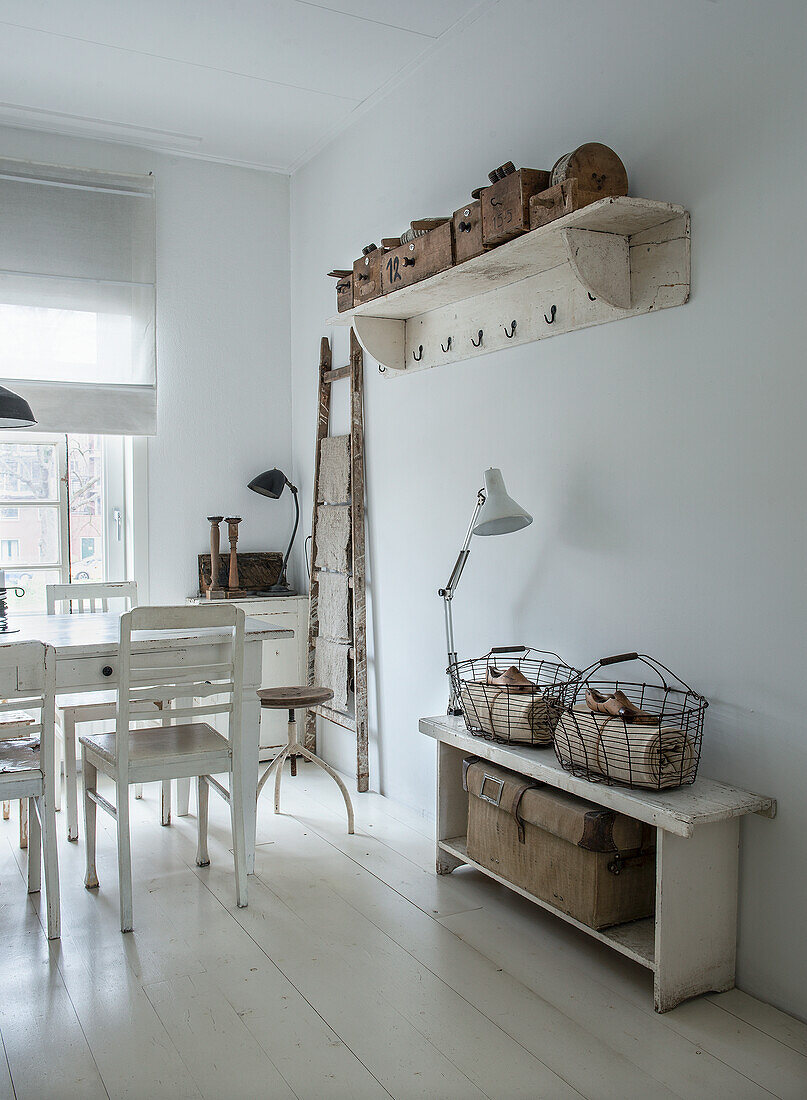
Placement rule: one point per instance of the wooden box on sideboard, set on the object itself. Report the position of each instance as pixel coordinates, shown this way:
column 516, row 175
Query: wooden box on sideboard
column 418, row 259
column 468, row 232
column 506, row 205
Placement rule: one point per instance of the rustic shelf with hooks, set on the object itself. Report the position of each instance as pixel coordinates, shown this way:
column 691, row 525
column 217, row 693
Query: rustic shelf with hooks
column 617, row 258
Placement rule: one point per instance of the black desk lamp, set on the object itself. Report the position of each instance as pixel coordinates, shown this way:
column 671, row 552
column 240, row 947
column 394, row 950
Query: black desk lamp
column 271, row 483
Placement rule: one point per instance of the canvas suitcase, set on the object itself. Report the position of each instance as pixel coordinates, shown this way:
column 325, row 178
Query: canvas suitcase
column 590, row 862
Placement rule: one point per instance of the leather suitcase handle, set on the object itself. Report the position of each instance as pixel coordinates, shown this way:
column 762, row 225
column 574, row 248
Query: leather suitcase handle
column 618, row 658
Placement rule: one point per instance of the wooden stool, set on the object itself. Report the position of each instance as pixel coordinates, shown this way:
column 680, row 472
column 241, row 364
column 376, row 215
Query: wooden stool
column 293, row 699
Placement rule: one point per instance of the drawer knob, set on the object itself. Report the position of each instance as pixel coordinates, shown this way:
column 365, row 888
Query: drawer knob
column 107, row 670
column 409, row 261
column 465, row 227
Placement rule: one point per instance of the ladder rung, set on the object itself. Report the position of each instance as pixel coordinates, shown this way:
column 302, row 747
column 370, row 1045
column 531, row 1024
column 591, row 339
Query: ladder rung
column 334, row 375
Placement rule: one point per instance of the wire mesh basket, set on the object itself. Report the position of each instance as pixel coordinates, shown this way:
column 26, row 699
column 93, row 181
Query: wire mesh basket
column 512, row 693
column 633, row 734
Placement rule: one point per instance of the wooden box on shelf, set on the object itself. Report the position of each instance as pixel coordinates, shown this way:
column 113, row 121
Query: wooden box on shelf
column 367, row 276
column 418, row 259
column 468, row 232
column 547, row 206
column 344, row 290
column 506, row 205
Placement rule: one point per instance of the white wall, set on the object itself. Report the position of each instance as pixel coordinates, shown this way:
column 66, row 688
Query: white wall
column 222, row 347
column 663, row 457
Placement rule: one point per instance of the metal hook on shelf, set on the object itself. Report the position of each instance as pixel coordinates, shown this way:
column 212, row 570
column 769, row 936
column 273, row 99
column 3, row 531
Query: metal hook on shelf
column 478, row 342
column 419, row 356
column 591, row 297
column 551, row 318
column 446, row 347
column 512, row 331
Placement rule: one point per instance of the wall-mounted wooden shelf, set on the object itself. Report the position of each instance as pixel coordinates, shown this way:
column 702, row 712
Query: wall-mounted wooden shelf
column 617, row 258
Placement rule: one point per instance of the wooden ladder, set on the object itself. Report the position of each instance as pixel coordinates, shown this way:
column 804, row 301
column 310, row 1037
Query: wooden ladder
column 357, row 723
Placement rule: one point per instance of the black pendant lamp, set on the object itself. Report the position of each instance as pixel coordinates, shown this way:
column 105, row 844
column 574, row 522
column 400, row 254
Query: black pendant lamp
column 15, row 412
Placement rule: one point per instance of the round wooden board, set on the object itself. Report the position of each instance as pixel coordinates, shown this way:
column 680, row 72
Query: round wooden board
column 595, row 167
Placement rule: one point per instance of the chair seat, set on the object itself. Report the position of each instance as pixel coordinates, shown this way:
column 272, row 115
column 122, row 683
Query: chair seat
column 161, row 744
column 292, row 698
column 19, row 754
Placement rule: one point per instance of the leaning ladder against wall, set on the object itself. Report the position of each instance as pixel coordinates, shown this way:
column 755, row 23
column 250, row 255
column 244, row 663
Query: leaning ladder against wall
column 337, row 631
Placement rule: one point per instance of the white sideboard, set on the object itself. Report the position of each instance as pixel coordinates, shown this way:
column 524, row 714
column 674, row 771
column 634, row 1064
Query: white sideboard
column 284, row 659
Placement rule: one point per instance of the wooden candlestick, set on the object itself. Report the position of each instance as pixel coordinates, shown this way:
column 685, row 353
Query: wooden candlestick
column 232, row 532
column 215, row 591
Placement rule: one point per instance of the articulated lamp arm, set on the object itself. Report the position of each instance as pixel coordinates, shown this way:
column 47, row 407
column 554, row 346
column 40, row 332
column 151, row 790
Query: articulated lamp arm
column 448, row 595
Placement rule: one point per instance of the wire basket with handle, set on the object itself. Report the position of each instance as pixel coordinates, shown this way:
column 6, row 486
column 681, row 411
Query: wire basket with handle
column 635, row 734
column 512, row 693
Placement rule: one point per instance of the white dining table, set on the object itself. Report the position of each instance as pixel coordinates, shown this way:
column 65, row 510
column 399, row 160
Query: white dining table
column 87, row 660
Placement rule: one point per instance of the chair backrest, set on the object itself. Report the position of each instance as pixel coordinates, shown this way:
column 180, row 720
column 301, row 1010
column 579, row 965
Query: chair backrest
column 89, row 596
column 28, row 694
column 180, row 668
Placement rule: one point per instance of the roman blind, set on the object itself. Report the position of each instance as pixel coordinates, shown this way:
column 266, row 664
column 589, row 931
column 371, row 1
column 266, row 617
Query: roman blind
column 77, row 297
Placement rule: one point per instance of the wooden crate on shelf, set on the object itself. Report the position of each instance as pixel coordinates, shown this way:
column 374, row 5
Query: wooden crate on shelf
column 467, row 223
column 418, row 259
column 367, row 276
column 344, row 289
column 547, row 206
column 506, row 205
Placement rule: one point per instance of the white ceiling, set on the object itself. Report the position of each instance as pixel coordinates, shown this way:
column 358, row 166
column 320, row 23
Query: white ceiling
column 257, row 82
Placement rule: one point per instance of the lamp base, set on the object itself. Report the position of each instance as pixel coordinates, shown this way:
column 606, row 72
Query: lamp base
column 9, row 630
column 281, row 590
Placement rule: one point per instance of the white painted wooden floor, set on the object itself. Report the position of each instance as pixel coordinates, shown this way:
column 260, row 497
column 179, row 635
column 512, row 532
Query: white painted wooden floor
column 355, row 972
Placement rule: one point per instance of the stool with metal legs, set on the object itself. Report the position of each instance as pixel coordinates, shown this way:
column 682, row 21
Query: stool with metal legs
column 294, row 699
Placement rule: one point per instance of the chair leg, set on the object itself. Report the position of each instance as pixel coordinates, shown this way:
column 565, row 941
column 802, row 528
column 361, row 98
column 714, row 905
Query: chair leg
column 183, row 797
column 70, row 781
column 202, row 792
column 124, row 858
column 6, row 810
column 326, row 768
column 58, row 747
column 34, row 846
column 277, row 762
column 165, row 803
column 24, row 823
column 90, row 774
column 138, row 790
column 239, row 839
column 50, row 857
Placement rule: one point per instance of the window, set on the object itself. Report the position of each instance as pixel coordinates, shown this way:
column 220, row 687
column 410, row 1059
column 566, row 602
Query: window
column 9, row 550
column 77, row 296
column 66, row 517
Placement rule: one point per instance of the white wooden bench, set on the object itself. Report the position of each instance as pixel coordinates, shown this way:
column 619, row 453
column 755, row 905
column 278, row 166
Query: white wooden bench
column 690, row 945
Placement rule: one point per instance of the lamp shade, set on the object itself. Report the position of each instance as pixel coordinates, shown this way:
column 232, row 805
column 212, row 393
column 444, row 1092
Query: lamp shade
column 270, row 483
column 15, row 412
column 500, row 514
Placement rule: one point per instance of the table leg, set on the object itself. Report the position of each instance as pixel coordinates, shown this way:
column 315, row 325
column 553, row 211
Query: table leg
column 696, row 912
column 250, row 745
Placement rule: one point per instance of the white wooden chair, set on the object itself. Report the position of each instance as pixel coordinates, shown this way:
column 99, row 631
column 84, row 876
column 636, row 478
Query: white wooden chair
column 187, row 748
column 82, row 598
column 27, row 759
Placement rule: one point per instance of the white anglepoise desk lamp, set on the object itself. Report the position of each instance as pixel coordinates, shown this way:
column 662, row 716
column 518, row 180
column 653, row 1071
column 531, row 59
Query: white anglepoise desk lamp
column 495, row 513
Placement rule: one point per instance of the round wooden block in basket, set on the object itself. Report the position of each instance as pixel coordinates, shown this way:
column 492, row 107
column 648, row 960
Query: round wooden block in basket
column 595, row 167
